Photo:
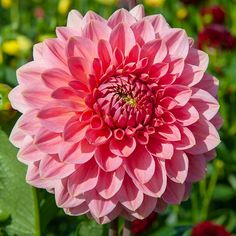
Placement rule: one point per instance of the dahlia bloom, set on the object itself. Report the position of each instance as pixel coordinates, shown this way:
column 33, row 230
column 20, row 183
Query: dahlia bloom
column 216, row 14
column 119, row 116
column 208, row 228
column 216, row 36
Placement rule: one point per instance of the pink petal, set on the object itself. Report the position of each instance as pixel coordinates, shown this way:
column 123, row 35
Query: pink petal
column 64, row 199
column 77, row 153
column 104, row 53
column 122, row 37
column 174, row 193
column 123, row 147
column 206, row 135
column 154, row 50
column 77, row 210
column 55, row 78
column 121, row 16
column 169, row 132
column 198, row 58
column 161, row 206
column 197, row 168
column 98, row 137
column 54, row 53
column 177, row 42
column 110, row 182
column 138, row 12
column 79, row 68
column 159, row 23
column 17, row 100
column 74, row 19
column 177, row 167
column 47, row 141
column 29, row 122
column 129, row 195
column 83, row 179
column 143, row 31
column 34, row 179
column 38, row 51
column 98, row 206
column 65, row 33
column 29, row 153
column 140, row 165
column 147, row 207
column 187, row 139
column 186, row 115
column 81, row 47
column 156, row 186
column 75, row 130
column 51, row 168
column 190, row 76
column 106, row 160
column 159, row 148
column 206, row 104
column 180, row 93
column 90, row 16
column 210, row 84
column 96, row 30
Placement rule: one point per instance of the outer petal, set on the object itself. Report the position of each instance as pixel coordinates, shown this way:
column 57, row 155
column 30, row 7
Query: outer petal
column 122, row 37
column 129, row 195
column 110, row 182
column 74, row 19
column 83, row 179
column 177, row 167
column 174, row 193
column 206, row 136
column 76, row 153
column 51, row 168
column 138, row 12
column 140, row 165
column 121, row 16
column 107, row 160
column 98, row 206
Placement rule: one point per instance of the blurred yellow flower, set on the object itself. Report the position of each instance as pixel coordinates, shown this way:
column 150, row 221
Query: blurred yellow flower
column 154, row 3
column 6, row 3
column 15, row 46
column 182, row 13
column 107, row 2
column 11, row 47
column 25, row 43
column 63, row 6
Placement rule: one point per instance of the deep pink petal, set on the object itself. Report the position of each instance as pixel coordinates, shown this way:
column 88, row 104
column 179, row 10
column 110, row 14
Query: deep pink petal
column 177, row 167
column 140, row 165
column 110, row 182
column 106, row 159
column 84, row 178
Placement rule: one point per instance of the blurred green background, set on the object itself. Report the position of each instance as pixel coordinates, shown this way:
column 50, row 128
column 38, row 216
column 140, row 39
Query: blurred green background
column 25, row 211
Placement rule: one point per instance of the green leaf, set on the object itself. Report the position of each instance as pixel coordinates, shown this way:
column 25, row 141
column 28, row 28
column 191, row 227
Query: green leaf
column 223, row 193
column 91, row 228
column 16, row 197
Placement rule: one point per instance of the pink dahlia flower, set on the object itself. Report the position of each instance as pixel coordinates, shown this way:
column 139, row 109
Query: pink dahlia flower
column 119, row 116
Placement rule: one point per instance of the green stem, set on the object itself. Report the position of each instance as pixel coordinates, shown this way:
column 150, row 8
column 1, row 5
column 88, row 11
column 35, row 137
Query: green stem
column 211, row 187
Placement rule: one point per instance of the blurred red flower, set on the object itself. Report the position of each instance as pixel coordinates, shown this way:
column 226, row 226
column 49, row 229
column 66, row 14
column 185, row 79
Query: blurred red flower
column 139, row 226
column 191, row 1
column 209, row 229
column 216, row 36
column 216, row 13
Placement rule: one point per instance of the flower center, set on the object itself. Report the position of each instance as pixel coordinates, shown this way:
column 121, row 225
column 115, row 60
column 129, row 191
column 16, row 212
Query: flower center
column 124, row 101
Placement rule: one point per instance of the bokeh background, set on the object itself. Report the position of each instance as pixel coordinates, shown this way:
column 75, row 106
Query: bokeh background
column 25, row 211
